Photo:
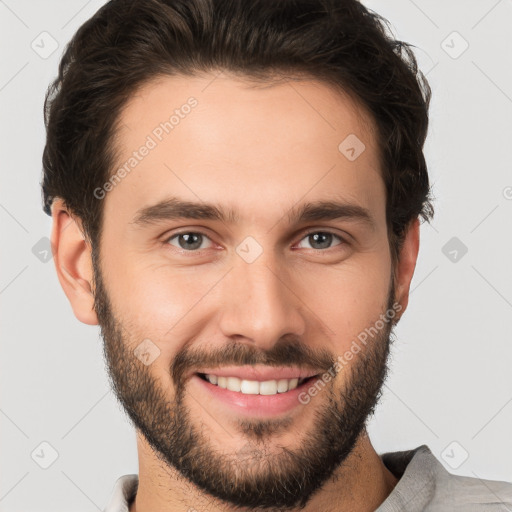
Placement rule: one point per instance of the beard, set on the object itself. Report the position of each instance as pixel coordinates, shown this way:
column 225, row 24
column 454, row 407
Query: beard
column 260, row 475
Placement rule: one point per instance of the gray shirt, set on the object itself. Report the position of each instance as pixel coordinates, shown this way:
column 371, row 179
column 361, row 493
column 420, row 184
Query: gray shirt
column 424, row 486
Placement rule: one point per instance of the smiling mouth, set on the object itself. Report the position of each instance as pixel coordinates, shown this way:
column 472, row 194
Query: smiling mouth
column 254, row 387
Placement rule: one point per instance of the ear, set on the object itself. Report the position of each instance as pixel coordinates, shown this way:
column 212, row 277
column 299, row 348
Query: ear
column 406, row 264
column 73, row 262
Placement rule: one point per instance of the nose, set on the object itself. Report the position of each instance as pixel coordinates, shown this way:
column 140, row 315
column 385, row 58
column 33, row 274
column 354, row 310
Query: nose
column 259, row 304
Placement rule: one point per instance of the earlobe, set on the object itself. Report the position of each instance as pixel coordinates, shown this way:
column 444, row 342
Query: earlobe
column 406, row 264
column 73, row 262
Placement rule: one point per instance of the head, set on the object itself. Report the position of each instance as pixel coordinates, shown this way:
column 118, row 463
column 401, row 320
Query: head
column 241, row 185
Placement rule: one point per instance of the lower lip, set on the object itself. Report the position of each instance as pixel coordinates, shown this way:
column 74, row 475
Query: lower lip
column 255, row 405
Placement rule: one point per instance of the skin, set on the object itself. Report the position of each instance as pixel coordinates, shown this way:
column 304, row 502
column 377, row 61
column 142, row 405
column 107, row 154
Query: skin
column 260, row 151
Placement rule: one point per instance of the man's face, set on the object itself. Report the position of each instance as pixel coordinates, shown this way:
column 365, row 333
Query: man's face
column 268, row 293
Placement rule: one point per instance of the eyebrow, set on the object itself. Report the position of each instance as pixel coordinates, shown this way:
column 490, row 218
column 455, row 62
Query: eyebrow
column 174, row 208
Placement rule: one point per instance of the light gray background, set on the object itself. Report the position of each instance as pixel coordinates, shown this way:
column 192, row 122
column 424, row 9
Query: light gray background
column 450, row 379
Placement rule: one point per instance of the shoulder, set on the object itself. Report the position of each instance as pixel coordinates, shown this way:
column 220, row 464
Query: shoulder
column 423, row 477
column 472, row 494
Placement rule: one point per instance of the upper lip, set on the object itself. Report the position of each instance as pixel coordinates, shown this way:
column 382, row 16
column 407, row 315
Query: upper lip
column 260, row 373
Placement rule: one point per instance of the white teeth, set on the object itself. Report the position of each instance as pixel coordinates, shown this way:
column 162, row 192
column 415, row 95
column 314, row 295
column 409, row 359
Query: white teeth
column 269, row 387
column 250, row 387
column 254, row 387
column 233, row 384
column 293, row 383
column 282, row 385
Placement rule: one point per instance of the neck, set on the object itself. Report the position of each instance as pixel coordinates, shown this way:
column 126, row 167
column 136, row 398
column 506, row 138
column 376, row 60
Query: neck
column 360, row 484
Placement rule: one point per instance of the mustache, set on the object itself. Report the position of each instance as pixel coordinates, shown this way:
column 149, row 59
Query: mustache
column 286, row 352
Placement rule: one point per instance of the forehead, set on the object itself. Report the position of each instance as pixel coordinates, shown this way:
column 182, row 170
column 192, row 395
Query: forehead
column 255, row 147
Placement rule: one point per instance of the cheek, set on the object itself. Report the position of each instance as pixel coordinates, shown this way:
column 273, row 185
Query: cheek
column 147, row 291
column 348, row 298
column 159, row 303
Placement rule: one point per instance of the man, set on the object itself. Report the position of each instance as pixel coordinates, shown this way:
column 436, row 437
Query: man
column 236, row 191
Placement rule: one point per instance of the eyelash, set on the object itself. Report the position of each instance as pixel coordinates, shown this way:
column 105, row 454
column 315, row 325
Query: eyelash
column 167, row 240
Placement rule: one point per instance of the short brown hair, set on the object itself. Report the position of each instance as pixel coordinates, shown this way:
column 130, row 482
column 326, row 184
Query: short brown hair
column 129, row 42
